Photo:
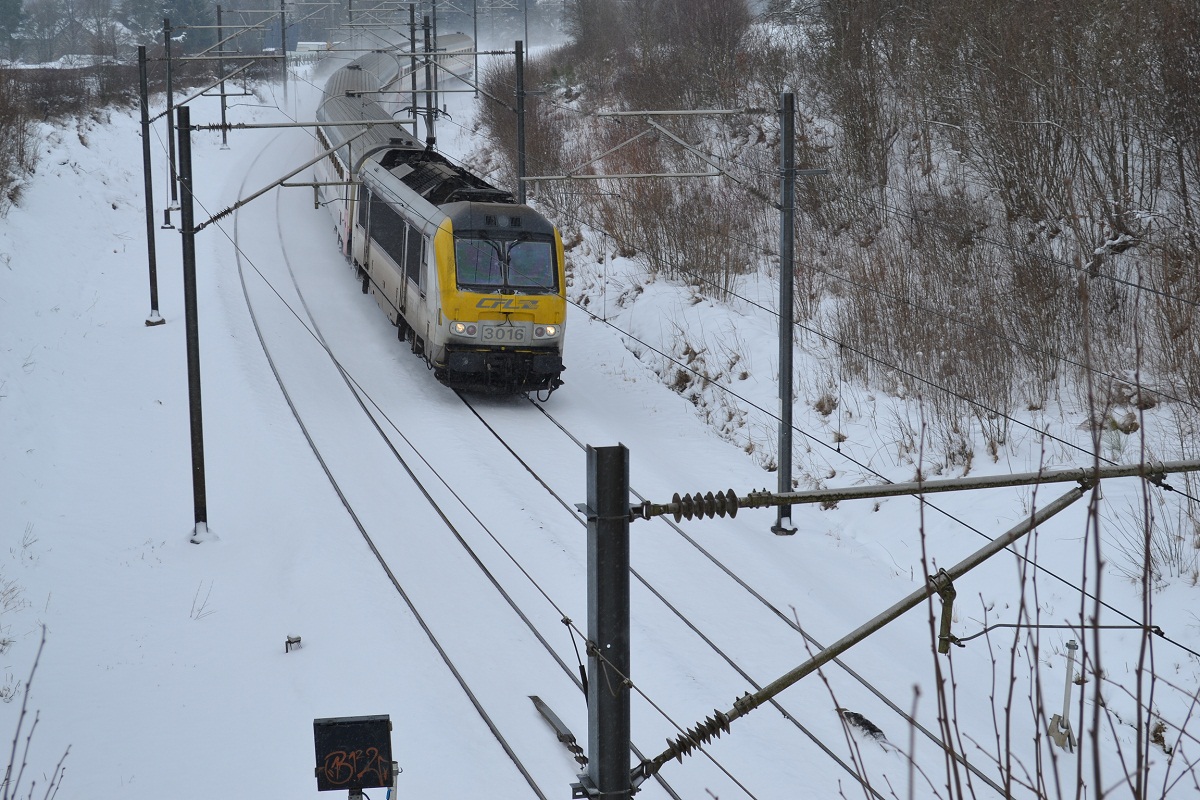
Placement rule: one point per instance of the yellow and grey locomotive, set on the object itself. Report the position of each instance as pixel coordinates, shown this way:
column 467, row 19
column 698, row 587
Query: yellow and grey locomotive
column 473, row 280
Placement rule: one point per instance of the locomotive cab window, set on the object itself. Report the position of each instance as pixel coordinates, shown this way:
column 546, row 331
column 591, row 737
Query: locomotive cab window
column 524, row 264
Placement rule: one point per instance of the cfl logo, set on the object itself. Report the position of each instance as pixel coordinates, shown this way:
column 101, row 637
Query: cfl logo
column 502, row 304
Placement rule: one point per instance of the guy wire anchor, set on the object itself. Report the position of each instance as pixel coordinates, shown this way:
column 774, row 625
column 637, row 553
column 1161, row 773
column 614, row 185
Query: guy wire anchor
column 1060, row 726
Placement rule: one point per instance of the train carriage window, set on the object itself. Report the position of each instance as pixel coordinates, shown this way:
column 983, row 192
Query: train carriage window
column 388, row 229
column 423, row 265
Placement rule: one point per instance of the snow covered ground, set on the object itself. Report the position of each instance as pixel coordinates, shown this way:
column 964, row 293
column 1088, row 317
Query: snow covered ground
column 165, row 671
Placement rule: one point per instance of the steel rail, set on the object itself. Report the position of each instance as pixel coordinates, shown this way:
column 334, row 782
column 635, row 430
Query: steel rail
column 360, row 394
column 350, row 510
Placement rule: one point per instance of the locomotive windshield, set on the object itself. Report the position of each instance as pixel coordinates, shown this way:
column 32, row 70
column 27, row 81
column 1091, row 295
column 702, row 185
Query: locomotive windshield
column 506, row 265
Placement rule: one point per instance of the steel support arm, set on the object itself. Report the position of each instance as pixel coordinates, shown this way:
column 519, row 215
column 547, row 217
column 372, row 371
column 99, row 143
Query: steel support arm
column 714, row 726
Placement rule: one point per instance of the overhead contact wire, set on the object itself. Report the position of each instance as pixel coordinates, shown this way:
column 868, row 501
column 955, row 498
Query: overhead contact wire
column 371, row 545
column 820, row 442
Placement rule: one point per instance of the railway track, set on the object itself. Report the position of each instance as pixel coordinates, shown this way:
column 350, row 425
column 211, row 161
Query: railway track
column 329, row 414
column 478, row 550
column 414, row 442
column 768, row 606
column 420, row 474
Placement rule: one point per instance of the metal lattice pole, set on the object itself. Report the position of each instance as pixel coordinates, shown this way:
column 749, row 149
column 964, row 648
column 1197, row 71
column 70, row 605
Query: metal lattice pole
column 187, row 228
column 787, row 194
column 608, row 623
column 154, row 318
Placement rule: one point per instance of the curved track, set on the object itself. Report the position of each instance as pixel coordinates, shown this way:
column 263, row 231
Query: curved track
column 407, row 437
column 371, row 428
column 326, row 415
column 767, row 606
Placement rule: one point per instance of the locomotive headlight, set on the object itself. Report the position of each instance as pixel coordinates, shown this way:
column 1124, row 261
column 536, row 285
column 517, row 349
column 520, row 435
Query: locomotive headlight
column 545, row 331
column 463, row 328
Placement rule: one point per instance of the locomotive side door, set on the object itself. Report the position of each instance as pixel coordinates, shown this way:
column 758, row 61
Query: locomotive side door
column 421, row 262
column 360, row 244
column 412, row 261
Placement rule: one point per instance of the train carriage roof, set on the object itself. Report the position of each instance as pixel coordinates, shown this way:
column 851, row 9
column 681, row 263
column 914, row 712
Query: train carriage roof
column 387, row 67
column 353, row 93
column 350, row 97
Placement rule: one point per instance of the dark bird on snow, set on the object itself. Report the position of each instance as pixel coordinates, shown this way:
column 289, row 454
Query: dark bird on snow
column 856, row 720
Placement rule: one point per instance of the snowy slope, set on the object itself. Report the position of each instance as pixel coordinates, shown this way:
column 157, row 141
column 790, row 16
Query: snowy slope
column 164, row 669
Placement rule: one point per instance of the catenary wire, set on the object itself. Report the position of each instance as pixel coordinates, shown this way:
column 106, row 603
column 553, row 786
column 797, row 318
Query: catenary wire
column 370, row 543
column 863, row 466
column 404, row 595
column 359, row 390
column 657, row 594
column 860, row 464
column 695, row 276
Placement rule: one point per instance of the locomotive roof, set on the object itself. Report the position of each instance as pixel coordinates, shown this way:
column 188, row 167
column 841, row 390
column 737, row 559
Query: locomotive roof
column 499, row 220
column 438, row 180
column 353, row 93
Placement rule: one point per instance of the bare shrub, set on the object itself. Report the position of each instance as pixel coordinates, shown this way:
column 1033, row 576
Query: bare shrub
column 1165, row 543
column 1041, row 310
column 544, row 120
column 595, row 27
column 1175, row 277
column 1064, row 127
column 1012, row 216
column 689, row 230
column 17, row 151
column 661, row 53
column 923, row 315
column 1003, row 180
column 1179, row 111
column 705, row 41
column 856, row 72
column 826, row 404
column 14, row 773
column 30, row 95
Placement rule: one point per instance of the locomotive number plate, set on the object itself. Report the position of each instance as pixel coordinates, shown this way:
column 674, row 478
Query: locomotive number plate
column 502, row 334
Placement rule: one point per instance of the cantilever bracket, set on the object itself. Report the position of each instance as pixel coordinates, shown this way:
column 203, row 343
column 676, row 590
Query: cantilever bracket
column 944, row 586
column 585, row 788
